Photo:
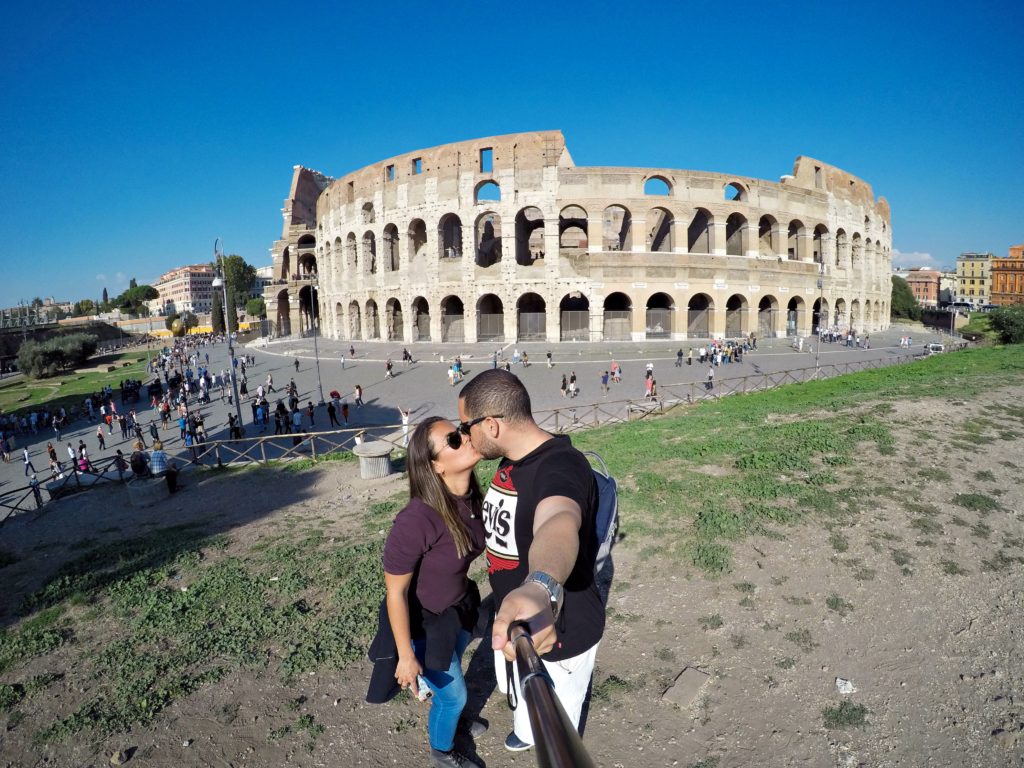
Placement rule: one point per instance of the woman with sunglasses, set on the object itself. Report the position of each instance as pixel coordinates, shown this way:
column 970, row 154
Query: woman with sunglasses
column 431, row 605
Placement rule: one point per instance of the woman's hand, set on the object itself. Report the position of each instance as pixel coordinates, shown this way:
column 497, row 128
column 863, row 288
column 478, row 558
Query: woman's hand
column 405, row 674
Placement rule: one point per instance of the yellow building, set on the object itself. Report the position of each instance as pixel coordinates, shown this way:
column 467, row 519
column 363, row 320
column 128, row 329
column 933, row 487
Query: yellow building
column 973, row 278
column 1008, row 278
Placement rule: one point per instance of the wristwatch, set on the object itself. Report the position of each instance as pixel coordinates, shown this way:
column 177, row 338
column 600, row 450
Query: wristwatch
column 555, row 592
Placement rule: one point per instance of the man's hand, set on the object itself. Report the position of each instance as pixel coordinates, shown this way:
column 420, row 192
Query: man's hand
column 530, row 604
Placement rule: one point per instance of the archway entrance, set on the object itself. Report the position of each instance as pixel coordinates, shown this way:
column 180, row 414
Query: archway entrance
column 574, row 311
column 658, row 323
column 795, row 316
column 736, row 316
column 531, row 311
column 354, row 326
column 698, row 316
column 490, row 318
column 420, row 319
column 618, row 317
column 452, row 319
column 393, row 325
column 284, row 316
column 767, row 309
column 372, row 320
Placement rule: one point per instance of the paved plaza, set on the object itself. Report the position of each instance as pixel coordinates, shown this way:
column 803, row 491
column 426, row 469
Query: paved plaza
column 423, row 385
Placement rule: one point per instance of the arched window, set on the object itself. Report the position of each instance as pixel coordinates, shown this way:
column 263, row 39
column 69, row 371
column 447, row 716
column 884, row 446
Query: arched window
column 488, row 239
column 657, row 185
column 818, row 246
column 735, row 235
column 734, row 191
column 617, row 229
column 449, row 236
column 795, row 242
column 487, row 191
column 660, row 229
column 699, row 239
column 417, row 235
column 370, row 252
column 767, row 237
column 390, row 241
column 572, row 230
column 529, row 236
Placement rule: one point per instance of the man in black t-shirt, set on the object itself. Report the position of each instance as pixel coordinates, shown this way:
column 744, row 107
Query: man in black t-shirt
column 539, row 514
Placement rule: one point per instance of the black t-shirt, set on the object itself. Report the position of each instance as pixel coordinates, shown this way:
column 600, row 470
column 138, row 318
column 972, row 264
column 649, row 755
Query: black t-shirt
column 554, row 468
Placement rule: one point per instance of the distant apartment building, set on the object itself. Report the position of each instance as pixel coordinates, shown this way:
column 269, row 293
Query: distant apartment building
column 264, row 278
column 924, row 283
column 184, row 289
column 947, row 288
column 973, row 278
column 1008, row 278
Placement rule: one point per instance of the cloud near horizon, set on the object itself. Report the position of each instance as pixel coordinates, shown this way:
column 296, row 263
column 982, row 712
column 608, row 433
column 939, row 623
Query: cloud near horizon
column 915, row 259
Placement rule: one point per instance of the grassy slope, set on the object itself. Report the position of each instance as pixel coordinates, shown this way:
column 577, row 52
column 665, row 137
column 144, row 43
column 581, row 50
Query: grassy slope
column 692, row 484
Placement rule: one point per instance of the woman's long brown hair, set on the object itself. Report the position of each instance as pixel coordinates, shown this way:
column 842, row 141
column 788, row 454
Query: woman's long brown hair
column 427, row 486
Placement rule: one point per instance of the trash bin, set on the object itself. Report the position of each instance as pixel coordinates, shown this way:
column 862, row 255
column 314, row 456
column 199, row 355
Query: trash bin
column 374, row 459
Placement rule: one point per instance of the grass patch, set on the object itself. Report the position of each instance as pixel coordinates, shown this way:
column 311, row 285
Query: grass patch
column 846, row 715
column 802, row 639
column 838, row 541
column 708, row 623
column 927, row 526
column 976, row 502
column 835, row 603
column 952, row 568
column 613, row 687
column 985, row 475
column 788, row 662
column 934, row 474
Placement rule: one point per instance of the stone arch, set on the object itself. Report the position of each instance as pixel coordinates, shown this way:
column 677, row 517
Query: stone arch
column 842, row 248
column 488, row 191
column 339, row 318
column 420, row 319
column 351, row 253
column 572, row 231
column 767, row 316
column 767, row 236
column 449, row 237
column 660, row 230
column 337, row 260
column 737, row 316
column 490, row 318
column 699, row 310
column 306, row 242
column 372, row 320
column 389, row 241
column 735, row 192
column 661, row 310
column 657, row 186
column 820, row 319
column 417, row 234
column 309, row 307
column 487, row 236
column 453, row 314
column 868, row 317
column 529, row 236
column 355, row 328
column 857, row 252
column 574, row 317
column 618, row 317
column 617, row 229
column 370, row 252
column 700, row 234
column 795, row 311
column 531, row 318
column 367, row 214
column 307, row 265
column 394, row 323
column 818, row 243
column 736, row 235
column 856, row 319
column 839, row 319
column 286, row 268
column 795, row 240
column 284, row 314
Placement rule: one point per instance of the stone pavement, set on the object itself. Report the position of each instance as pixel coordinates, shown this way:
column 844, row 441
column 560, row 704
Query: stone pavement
column 423, row 386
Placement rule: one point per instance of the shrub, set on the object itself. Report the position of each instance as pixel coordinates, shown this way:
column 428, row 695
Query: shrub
column 1008, row 322
column 50, row 357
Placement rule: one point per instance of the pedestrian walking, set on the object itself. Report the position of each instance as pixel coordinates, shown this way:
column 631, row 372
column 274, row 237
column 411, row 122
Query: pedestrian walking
column 358, row 396
column 29, row 468
column 604, row 383
column 344, row 412
column 296, row 365
column 679, row 358
column 550, row 364
column 387, row 369
column 711, row 378
column 310, row 412
column 572, row 384
column 405, row 425
column 343, row 362
column 565, row 385
column 332, row 414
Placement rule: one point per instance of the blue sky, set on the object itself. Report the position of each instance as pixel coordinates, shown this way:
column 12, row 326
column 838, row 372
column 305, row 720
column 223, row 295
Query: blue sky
column 134, row 134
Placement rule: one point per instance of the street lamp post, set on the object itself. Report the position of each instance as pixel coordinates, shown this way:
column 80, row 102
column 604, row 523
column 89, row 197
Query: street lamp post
column 315, row 295
column 219, row 282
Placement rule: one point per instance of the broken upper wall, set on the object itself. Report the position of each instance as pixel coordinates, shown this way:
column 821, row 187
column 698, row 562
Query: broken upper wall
column 300, row 206
column 814, row 174
column 438, row 170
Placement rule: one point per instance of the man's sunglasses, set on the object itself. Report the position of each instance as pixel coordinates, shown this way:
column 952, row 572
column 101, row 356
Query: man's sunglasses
column 465, row 426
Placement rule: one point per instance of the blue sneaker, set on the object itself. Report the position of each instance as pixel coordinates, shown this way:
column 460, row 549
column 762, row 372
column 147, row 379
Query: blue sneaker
column 514, row 744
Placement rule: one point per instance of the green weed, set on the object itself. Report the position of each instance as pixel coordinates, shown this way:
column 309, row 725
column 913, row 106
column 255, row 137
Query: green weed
column 708, row 623
column 835, row 603
column 802, row 639
column 846, row 715
column 976, row 502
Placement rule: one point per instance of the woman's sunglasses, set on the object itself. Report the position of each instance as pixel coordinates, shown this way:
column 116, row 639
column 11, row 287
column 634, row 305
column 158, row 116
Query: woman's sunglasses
column 454, row 439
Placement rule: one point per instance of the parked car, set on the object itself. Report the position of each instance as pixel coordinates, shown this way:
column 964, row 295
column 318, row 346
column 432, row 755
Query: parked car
column 934, row 348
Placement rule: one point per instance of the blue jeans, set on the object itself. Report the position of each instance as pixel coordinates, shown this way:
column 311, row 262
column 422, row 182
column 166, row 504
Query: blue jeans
column 449, row 698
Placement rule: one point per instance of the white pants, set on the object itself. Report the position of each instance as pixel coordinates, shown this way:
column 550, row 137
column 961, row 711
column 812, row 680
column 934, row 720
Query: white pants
column 570, row 678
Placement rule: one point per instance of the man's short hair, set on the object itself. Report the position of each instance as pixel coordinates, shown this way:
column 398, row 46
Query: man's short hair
column 496, row 392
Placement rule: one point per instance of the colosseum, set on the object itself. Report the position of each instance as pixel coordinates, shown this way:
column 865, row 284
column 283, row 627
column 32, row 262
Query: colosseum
column 506, row 239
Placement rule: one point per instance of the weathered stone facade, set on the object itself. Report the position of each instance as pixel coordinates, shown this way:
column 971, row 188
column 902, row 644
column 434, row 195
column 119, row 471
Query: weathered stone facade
column 505, row 238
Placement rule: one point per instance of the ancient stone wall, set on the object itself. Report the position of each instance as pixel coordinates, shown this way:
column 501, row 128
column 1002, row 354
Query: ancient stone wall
column 506, row 238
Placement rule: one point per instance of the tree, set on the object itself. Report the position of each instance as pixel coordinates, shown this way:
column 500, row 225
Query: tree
column 903, row 304
column 106, row 299
column 190, row 319
column 240, row 276
column 37, row 303
column 256, row 307
column 132, row 283
column 232, row 312
column 217, row 313
column 48, row 358
column 1008, row 322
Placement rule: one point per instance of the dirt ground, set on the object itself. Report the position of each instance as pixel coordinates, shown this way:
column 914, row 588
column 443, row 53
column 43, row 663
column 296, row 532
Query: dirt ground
column 925, row 622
